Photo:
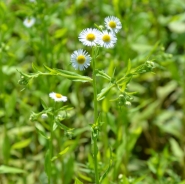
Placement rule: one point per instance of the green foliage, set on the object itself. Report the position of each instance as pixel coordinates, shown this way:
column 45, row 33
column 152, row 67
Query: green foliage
column 141, row 93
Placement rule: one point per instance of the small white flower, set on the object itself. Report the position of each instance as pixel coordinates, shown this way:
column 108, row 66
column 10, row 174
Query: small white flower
column 44, row 116
column 58, row 97
column 107, row 39
column 28, row 22
column 33, row 1
column 113, row 23
column 80, row 59
column 89, row 37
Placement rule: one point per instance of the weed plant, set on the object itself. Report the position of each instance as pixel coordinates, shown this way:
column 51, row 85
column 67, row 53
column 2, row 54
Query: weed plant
column 92, row 92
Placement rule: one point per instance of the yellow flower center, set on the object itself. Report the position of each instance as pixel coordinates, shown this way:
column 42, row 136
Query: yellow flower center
column 80, row 59
column 112, row 24
column 90, row 37
column 106, row 38
column 29, row 20
column 58, row 95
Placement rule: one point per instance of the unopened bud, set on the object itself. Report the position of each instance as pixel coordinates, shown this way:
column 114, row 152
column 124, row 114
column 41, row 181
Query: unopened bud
column 44, row 116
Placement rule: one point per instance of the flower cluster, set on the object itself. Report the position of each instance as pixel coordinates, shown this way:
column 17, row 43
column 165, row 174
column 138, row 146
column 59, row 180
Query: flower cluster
column 91, row 37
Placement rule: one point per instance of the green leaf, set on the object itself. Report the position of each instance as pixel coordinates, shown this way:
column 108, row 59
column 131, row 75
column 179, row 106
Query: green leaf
column 106, row 172
column 47, row 163
column 43, row 104
column 128, row 67
column 77, row 181
column 41, row 132
column 86, row 178
column 133, row 138
column 34, row 67
column 6, row 148
column 73, row 76
column 21, row 144
column 60, row 33
column 63, row 127
column 61, row 153
column 104, row 92
column 51, row 70
column 103, row 75
column 7, row 169
column 176, row 150
column 64, row 151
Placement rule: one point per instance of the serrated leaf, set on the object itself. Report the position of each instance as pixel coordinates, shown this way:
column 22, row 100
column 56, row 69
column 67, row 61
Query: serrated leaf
column 7, row 169
column 104, row 92
column 21, row 144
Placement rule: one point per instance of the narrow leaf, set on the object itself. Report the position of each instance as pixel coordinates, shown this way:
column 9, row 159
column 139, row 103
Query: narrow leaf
column 21, row 144
column 43, row 104
column 63, row 127
column 47, row 163
column 7, row 169
column 64, row 151
column 104, row 92
column 34, row 67
column 42, row 133
column 128, row 67
column 77, row 181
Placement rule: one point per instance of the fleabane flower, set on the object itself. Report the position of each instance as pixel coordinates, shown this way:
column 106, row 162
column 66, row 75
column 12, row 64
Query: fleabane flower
column 28, row 22
column 107, row 39
column 89, row 37
column 80, row 59
column 113, row 23
column 58, row 97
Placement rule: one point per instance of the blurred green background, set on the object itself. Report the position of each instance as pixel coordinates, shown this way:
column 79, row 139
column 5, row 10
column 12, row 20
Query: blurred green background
column 146, row 140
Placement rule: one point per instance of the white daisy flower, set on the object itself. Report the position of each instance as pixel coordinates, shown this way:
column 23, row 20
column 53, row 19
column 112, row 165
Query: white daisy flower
column 28, row 22
column 107, row 39
column 58, row 97
column 113, row 23
column 89, row 37
column 80, row 59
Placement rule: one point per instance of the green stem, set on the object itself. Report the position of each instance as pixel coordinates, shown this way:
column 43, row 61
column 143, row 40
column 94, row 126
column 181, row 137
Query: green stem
column 51, row 144
column 95, row 150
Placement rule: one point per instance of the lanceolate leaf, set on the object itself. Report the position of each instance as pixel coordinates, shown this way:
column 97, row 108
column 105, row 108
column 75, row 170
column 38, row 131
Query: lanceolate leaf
column 104, row 92
column 77, row 181
column 103, row 74
column 73, row 76
column 7, row 169
column 128, row 67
